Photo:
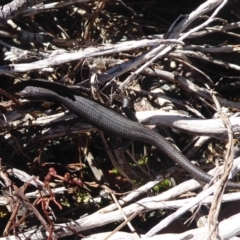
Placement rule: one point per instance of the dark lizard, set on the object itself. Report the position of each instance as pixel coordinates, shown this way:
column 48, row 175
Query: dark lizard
column 109, row 121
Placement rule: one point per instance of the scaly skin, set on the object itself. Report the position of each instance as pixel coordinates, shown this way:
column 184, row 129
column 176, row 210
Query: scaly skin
column 109, row 121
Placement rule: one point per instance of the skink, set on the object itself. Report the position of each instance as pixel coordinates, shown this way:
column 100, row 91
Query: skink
column 109, row 121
